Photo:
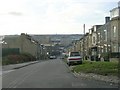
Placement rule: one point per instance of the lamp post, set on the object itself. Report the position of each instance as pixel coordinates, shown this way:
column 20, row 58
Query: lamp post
column 41, row 49
column 43, row 53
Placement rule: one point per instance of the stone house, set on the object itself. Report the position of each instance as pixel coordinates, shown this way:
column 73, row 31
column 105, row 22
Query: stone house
column 103, row 39
column 93, row 49
column 115, row 31
column 24, row 42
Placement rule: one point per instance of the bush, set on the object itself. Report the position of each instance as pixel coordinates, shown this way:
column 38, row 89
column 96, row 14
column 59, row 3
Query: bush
column 15, row 59
column 28, row 57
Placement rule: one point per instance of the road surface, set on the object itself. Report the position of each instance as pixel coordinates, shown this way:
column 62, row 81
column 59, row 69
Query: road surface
column 48, row 74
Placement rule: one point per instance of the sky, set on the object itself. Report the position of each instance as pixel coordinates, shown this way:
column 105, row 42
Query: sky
column 52, row 16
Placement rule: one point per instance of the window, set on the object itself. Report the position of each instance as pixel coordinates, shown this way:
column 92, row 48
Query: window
column 114, row 31
column 115, row 48
column 106, row 49
column 105, row 33
column 93, row 39
column 98, row 37
column 102, row 50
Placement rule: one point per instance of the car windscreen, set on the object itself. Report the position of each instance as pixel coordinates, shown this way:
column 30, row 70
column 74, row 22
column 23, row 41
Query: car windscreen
column 74, row 54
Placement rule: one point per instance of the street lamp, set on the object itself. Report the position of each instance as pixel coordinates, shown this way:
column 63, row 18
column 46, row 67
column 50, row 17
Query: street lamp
column 6, row 44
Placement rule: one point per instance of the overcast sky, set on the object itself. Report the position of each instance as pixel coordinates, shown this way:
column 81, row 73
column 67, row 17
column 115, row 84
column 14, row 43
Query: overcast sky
column 52, row 16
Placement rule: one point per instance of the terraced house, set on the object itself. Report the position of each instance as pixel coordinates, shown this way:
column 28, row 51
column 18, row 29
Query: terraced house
column 103, row 41
column 24, row 43
column 115, row 31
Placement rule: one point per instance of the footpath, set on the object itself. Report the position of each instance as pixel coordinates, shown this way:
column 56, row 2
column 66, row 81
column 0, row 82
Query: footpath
column 17, row 66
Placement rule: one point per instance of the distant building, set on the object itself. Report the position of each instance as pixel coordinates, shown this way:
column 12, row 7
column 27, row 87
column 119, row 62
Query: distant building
column 57, row 42
column 63, row 39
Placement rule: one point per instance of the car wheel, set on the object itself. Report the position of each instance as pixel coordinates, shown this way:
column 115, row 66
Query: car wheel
column 80, row 62
column 69, row 64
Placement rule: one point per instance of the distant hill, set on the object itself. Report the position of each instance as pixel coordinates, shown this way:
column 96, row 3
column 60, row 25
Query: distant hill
column 63, row 39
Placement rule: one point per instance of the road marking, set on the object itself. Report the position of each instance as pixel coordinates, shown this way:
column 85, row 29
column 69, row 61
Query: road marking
column 4, row 72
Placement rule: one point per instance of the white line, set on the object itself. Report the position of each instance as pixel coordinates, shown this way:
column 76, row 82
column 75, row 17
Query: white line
column 4, row 72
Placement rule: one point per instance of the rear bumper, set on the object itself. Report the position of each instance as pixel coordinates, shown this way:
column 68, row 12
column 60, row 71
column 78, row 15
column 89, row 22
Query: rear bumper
column 74, row 60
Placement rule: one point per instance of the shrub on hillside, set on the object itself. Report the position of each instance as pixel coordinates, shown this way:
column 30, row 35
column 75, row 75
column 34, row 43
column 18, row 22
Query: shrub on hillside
column 28, row 57
column 14, row 59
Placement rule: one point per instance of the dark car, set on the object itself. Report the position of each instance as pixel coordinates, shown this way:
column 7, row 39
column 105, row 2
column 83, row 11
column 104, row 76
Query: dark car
column 52, row 57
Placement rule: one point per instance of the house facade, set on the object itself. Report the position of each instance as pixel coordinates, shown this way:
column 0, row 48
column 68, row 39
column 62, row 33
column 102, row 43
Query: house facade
column 102, row 42
column 24, row 43
column 115, row 31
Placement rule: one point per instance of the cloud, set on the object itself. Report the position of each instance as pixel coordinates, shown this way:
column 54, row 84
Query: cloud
column 49, row 16
column 15, row 13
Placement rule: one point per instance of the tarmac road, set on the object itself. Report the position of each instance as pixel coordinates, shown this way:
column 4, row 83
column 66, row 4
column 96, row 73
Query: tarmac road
column 48, row 74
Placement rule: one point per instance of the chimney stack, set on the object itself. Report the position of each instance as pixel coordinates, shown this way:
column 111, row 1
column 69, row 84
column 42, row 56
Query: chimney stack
column 107, row 19
column 119, row 4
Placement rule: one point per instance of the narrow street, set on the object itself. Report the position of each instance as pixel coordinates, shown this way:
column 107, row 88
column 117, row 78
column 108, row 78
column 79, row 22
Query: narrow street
column 48, row 74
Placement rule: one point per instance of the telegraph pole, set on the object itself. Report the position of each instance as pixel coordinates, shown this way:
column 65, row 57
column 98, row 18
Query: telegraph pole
column 84, row 42
column 84, row 28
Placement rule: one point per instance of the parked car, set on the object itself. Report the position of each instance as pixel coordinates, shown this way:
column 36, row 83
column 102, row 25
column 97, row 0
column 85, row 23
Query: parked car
column 74, row 57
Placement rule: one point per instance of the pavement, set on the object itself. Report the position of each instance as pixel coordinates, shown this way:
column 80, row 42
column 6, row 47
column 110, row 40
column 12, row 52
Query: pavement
column 17, row 66
column 12, row 67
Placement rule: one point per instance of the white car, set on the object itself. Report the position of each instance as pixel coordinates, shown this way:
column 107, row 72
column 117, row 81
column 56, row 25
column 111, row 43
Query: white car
column 74, row 57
